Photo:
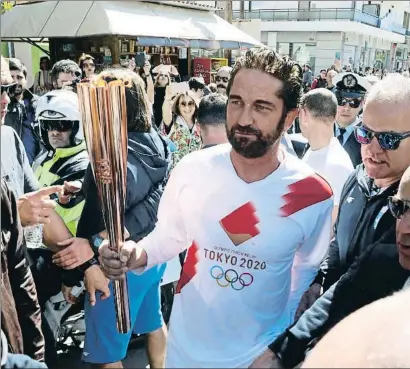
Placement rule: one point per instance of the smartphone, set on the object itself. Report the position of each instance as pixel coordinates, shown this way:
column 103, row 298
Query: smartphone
column 179, row 88
column 140, row 58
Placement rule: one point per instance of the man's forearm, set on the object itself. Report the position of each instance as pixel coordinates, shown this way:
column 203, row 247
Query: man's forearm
column 55, row 231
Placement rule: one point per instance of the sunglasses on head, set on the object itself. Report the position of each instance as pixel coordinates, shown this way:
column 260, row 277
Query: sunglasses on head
column 386, row 140
column 8, row 89
column 353, row 103
column 184, row 103
column 398, row 207
column 57, row 125
column 219, row 79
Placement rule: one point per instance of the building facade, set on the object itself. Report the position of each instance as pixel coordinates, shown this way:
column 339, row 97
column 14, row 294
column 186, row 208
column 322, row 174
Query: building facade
column 325, row 33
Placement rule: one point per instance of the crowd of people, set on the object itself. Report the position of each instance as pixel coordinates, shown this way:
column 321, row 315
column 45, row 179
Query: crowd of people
column 286, row 198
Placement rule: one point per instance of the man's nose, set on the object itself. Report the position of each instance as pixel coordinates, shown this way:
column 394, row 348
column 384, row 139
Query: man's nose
column 246, row 117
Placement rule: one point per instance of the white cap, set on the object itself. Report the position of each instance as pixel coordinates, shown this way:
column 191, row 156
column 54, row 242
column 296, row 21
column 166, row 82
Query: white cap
column 351, row 82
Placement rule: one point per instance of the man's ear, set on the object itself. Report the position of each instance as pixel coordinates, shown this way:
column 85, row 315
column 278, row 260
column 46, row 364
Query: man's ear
column 290, row 118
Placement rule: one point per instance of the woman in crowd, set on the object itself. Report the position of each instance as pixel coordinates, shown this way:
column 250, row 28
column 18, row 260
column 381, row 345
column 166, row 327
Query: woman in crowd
column 42, row 82
column 87, row 66
column 162, row 80
column 180, row 123
column 145, row 74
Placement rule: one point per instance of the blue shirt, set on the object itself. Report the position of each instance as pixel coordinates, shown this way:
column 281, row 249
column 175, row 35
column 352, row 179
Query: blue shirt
column 349, row 130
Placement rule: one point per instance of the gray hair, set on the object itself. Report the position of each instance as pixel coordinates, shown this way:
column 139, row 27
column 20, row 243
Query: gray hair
column 212, row 110
column 394, row 88
column 321, row 103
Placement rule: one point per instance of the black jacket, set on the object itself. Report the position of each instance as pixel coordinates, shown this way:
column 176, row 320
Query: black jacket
column 352, row 147
column 147, row 168
column 363, row 219
column 375, row 275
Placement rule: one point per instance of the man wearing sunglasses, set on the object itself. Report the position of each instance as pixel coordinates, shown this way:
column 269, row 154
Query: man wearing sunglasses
column 350, row 90
column 364, row 218
column 222, row 79
column 379, row 272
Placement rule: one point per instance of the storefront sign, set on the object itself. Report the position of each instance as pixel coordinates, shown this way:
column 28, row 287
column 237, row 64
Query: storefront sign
column 202, row 68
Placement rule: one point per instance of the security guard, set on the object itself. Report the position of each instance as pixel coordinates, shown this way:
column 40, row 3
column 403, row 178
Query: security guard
column 350, row 90
column 66, row 158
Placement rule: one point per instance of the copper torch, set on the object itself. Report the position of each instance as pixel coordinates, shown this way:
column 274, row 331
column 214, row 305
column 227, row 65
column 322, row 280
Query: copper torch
column 104, row 117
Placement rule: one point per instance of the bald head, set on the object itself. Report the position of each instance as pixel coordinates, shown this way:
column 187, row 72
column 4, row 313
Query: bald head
column 376, row 336
column 404, row 187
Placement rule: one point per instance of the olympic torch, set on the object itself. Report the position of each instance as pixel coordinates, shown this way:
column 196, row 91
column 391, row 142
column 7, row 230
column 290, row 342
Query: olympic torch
column 104, row 116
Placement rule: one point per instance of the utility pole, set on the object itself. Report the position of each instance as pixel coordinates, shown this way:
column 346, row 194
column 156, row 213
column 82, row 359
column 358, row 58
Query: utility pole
column 242, row 9
column 228, row 18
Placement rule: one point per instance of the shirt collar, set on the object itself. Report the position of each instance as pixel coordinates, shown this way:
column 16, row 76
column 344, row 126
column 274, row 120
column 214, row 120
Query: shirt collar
column 349, row 129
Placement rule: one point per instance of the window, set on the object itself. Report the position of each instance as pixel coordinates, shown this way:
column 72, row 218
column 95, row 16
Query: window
column 372, row 9
column 406, row 20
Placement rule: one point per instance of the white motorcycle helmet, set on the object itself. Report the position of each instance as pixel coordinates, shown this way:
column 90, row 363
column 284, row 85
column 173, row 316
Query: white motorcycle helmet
column 59, row 109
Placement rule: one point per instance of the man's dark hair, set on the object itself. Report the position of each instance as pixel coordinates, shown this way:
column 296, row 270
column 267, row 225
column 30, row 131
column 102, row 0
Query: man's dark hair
column 16, row 64
column 65, row 66
column 280, row 67
column 323, row 70
column 212, row 110
column 321, row 103
column 196, row 84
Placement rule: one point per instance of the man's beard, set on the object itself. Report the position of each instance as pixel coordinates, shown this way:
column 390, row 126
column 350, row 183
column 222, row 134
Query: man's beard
column 254, row 148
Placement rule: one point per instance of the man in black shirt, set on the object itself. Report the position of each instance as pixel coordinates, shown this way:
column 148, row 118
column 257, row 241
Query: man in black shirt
column 382, row 270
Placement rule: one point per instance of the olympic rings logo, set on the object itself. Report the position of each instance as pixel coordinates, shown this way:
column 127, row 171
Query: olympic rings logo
column 231, row 278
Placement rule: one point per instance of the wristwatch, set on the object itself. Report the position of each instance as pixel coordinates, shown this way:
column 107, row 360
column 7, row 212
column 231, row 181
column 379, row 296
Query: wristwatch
column 95, row 243
column 88, row 264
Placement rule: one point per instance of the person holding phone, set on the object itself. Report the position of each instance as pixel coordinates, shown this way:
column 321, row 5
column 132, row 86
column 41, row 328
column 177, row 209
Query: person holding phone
column 162, row 80
column 145, row 73
column 180, row 123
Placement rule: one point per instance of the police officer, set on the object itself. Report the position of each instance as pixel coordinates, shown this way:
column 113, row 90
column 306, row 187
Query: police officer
column 350, row 90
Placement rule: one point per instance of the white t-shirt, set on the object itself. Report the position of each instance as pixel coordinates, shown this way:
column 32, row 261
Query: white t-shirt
column 333, row 164
column 254, row 249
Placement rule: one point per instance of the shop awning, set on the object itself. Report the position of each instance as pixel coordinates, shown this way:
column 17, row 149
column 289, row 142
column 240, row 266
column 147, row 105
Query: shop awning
column 152, row 23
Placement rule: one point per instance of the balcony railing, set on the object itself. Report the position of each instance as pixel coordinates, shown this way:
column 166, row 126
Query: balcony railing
column 394, row 27
column 309, row 15
column 316, row 15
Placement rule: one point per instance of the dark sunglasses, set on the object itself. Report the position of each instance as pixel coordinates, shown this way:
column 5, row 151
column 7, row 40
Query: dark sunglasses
column 87, row 65
column 353, row 103
column 162, row 75
column 387, row 140
column 184, row 104
column 8, row 89
column 398, row 207
column 57, row 125
column 219, row 79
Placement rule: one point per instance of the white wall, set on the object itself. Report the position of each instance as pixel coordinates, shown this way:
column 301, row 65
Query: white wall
column 327, row 45
column 252, row 27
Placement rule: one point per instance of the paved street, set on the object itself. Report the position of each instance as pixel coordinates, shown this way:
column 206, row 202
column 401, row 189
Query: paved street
column 136, row 358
